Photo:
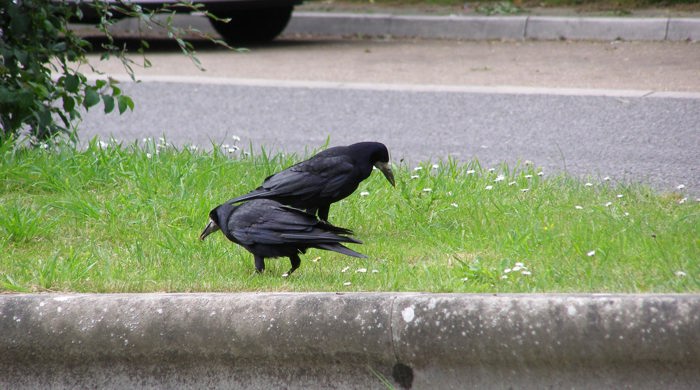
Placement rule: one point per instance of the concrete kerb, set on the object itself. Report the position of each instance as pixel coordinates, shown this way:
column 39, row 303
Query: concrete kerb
column 463, row 27
column 495, row 27
column 354, row 340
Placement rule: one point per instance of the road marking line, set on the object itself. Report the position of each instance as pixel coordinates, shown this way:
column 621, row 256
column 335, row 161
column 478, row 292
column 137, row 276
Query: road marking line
column 509, row 90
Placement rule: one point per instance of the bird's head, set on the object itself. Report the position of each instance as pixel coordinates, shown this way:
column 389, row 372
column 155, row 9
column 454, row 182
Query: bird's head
column 380, row 159
column 217, row 217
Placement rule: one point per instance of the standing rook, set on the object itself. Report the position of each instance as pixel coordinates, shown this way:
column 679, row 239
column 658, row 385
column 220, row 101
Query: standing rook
column 325, row 178
column 269, row 229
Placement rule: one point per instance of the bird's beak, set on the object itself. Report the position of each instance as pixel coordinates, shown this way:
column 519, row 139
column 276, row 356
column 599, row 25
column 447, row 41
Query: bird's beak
column 211, row 228
column 386, row 170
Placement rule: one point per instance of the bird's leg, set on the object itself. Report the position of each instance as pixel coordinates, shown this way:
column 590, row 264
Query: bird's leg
column 296, row 261
column 259, row 264
column 323, row 212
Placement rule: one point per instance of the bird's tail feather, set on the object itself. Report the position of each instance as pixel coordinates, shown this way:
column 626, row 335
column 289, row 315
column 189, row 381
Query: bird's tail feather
column 341, row 249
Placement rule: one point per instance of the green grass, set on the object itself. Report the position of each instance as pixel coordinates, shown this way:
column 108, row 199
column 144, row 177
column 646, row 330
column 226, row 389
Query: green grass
column 127, row 218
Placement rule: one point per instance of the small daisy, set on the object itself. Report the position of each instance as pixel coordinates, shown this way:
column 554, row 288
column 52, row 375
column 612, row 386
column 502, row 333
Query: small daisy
column 347, row 284
column 427, row 190
column 489, row 187
column 470, row 172
column 619, row 196
column 492, row 169
column 374, row 271
column 577, row 207
column 344, row 270
column 455, row 205
column 436, row 166
column 526, row 273
column 680, row 186
column 499, row 178
column 682, row 200
column 608, row 204
column 236, row 138
column 680, row 274
column 528, row 176
column 361, row 270
column 525, row 190
column 540, row 173
column 590, row 253
column 588, row 184
column 415, row 176
column 512, row 183
column 606, row 178
column 416, row 169
column 148, row 155
column 364, row 193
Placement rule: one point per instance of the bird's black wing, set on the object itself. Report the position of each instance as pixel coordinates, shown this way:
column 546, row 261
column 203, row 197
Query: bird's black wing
column 277, row 225
column 316, row 177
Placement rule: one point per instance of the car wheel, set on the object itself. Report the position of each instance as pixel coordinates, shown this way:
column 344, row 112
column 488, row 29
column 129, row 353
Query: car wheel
column 253, row 26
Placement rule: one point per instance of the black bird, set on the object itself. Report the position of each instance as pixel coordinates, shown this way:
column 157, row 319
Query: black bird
column 325, row 178
column 270, row 229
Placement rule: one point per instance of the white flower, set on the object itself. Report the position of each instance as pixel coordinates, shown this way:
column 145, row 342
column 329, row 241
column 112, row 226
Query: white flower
column 588, row 184
column 519, row 264
column 436, row 166
column 364, row 193
column 504, row 276
column 577, row 207
column 492, row 169
column 528, row 163
column 590, row 254
column 344, row 270
column 507, row 270
column 103, row 145
column 193, row 147
column 236, row 138
column 526, row 273
column 418, row 169
column 528, row 176
column 682, row 200
column 374, row 271
column 499, row 178
column 540, row 173
column 470, row 172
column 427, row 190
column 414, row 176
column 148, row 155
column 232, row 150
column 347, row 284
column 525, row 190
column 361, row 270
column 680, row 274
column 44, row 145
column 512, row 183
column 619, row 196
column 489, row 187
column 627, row 214
column 465, row 279
column 606, row 178
column 517, row 268
column 455, row 205
column 162, row 140
column 680, row 186
column 608, row 204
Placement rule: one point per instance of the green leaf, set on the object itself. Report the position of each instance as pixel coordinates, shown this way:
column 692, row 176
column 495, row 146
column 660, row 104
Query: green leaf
column 68, row 103
column 109, row 103
column 124, row 103
column 91, row 97
column 71, row 83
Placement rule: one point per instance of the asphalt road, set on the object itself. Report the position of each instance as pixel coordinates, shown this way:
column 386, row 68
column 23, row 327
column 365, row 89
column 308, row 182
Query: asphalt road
column 619, row 134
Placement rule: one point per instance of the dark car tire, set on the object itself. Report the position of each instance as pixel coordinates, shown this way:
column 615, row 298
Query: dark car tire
column 253, row 26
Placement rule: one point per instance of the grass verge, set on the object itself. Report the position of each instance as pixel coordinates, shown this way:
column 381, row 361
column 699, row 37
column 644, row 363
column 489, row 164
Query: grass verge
column 115, row 218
